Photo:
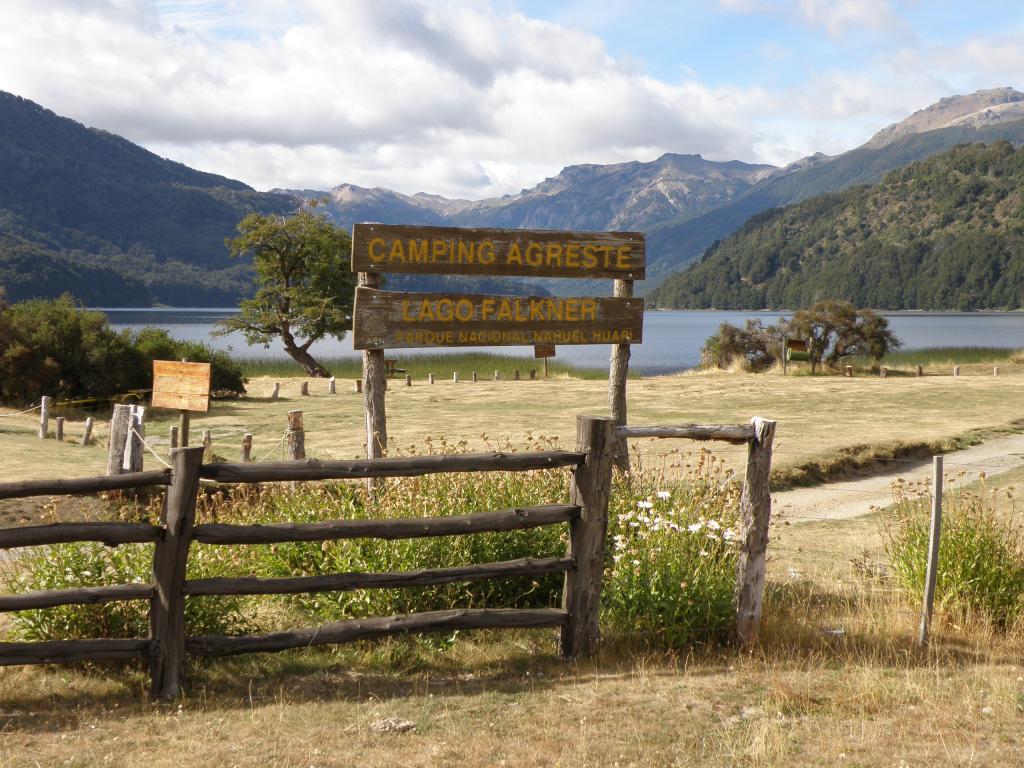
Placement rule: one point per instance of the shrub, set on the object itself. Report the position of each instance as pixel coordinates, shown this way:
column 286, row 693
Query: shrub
column 755, row 345
column 674, row 556
column 227, row 376
column 981, row 555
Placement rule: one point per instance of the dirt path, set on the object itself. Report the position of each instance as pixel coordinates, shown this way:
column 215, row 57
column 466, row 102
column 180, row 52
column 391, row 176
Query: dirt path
column 850, row 498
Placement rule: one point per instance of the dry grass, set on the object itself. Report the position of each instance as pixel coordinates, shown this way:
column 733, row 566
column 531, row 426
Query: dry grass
column 817, row 415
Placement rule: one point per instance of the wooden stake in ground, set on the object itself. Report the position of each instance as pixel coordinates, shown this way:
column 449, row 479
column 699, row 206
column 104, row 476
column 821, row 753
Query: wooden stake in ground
column 374, row 383
column 755, row 515
column 247, row 447
column 60, row 429
column 933, row 552
column 44, row 417
column 119, row 425
column 87, row 435
column 183, row 423
column 296, row 436
column 619, row 368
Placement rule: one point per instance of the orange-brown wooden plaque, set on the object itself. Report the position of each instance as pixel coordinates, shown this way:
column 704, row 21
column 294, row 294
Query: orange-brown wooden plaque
column 393, row 320
column 479, row 251
column 181, row 386
column 543, row 350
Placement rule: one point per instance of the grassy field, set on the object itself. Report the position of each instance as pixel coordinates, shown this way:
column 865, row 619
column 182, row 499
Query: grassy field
column 837, row 680
column 818, row 416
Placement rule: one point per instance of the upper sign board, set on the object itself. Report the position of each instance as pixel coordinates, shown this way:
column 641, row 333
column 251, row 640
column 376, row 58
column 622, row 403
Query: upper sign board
column 386, row 320
column 516, row 252
column 181, row 386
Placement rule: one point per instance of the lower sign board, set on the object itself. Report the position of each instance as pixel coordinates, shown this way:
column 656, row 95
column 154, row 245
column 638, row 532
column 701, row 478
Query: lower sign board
column 387, row 320
column 543, row 350
column 181, row 386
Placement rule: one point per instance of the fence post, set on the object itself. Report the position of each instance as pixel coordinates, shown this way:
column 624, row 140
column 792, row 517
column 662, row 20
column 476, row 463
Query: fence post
column 430, row 378
column 590, row 489
column 304, row 389
column 174, row 436
column 60, row 429
column 296, row 436
column 474, row 377
column 119, row 424
column 44, row 417
column 134, row 450
column 247, row 447
column 408, row 379
column 455, row 376
column 755, row 514
column 167, row 606
column 87, row 434
column 332, row 388
column 933, row 552
column 618, row 372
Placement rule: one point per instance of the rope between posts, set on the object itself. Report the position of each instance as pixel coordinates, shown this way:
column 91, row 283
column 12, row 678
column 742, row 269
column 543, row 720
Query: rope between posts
column 149, row 448
column 19, row 413
column 278, row 445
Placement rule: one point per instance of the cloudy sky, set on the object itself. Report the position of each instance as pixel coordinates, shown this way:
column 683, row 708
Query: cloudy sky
column 475, row 98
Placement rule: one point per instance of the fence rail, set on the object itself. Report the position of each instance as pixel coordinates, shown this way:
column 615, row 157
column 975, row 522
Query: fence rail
column 583, row 564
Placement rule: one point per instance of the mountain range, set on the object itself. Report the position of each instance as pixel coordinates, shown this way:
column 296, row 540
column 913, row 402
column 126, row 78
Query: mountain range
column 89, row 212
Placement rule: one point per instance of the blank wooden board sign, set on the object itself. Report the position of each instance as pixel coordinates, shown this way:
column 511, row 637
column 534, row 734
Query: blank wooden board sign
column 181, row 386
column 543, row 350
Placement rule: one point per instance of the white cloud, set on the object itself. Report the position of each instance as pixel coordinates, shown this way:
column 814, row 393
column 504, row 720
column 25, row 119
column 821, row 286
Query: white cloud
column 839, row 17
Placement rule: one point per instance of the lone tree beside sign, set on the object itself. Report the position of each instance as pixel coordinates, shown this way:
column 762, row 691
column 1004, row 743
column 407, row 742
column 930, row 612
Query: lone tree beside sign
column 305, row 286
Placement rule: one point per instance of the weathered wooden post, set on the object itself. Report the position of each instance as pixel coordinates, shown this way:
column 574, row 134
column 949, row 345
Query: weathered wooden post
column 590, row 489
column 277, row 391
column 174, row 437
column 170, row 556
column 87, row 434
column 430, row 378
column 60, row 429
column 497, row 375
column 358, row 386
column 247, row 448
column 849, row 372
column 44, row 417
column 120, row 422
column 183, row 425
column 375, row 382
column 619, row 370
column 474, row 377
column 883, row 372
column 207, row 446
column 331, row 387
column 920, row 370
column 934, row 537
column 956, row 370
column 755, row 515
column 408, row 379
column 134, row 450
column 995, row 371
column 304, row 389
column 455, row 376
column 296, row 436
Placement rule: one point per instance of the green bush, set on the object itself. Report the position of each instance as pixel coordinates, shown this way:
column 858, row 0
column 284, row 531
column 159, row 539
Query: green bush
column 55, row 347
column 669, row 578
column 981, row 555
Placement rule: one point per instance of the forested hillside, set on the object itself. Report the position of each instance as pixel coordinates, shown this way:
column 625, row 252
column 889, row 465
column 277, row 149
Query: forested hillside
column 89, row 212
column 943, row 233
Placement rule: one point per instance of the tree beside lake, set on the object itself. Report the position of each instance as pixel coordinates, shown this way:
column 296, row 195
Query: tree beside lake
column 305, row 285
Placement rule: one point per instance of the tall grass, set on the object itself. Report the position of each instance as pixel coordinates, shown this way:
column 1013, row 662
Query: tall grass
column 981, row 554
column 441, row 364
column 931, row 356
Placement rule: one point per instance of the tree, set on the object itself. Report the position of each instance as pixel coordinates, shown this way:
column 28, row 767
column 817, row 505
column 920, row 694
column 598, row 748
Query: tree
column 757, row 344
column 304, row 282
column 835, row 329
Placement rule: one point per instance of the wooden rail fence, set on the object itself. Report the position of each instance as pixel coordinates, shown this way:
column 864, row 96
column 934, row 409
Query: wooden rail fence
column 166, row 646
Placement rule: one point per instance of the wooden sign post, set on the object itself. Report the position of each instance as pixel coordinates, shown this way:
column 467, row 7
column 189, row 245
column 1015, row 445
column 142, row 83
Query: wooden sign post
column 385, row 320
column 183, row 387
column 543, row 352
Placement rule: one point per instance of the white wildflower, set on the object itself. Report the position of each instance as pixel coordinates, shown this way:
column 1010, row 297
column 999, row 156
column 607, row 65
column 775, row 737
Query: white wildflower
column 729, row 534
column 703, row 553
column 714, row 525
column 694, row 527
column 645, row 504
column 636, row 562
column 664, row 495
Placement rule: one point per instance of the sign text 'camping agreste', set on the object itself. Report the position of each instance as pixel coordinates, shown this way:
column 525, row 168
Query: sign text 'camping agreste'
column 528, row 253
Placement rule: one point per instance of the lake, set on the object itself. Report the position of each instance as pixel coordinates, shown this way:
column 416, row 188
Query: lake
column 672, row 340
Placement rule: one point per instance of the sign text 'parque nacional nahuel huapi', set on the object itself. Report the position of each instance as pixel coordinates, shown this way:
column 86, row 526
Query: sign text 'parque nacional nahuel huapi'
column 387, row 319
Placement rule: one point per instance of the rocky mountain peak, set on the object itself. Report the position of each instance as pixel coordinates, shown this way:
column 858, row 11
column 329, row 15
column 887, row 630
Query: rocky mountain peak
column 981, row 108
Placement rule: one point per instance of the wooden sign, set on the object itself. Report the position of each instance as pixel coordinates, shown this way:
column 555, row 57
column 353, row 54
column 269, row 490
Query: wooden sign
column 517, row 252
column 181, row 386
column 386, row 320
column 796, row 345
column 543, row 350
